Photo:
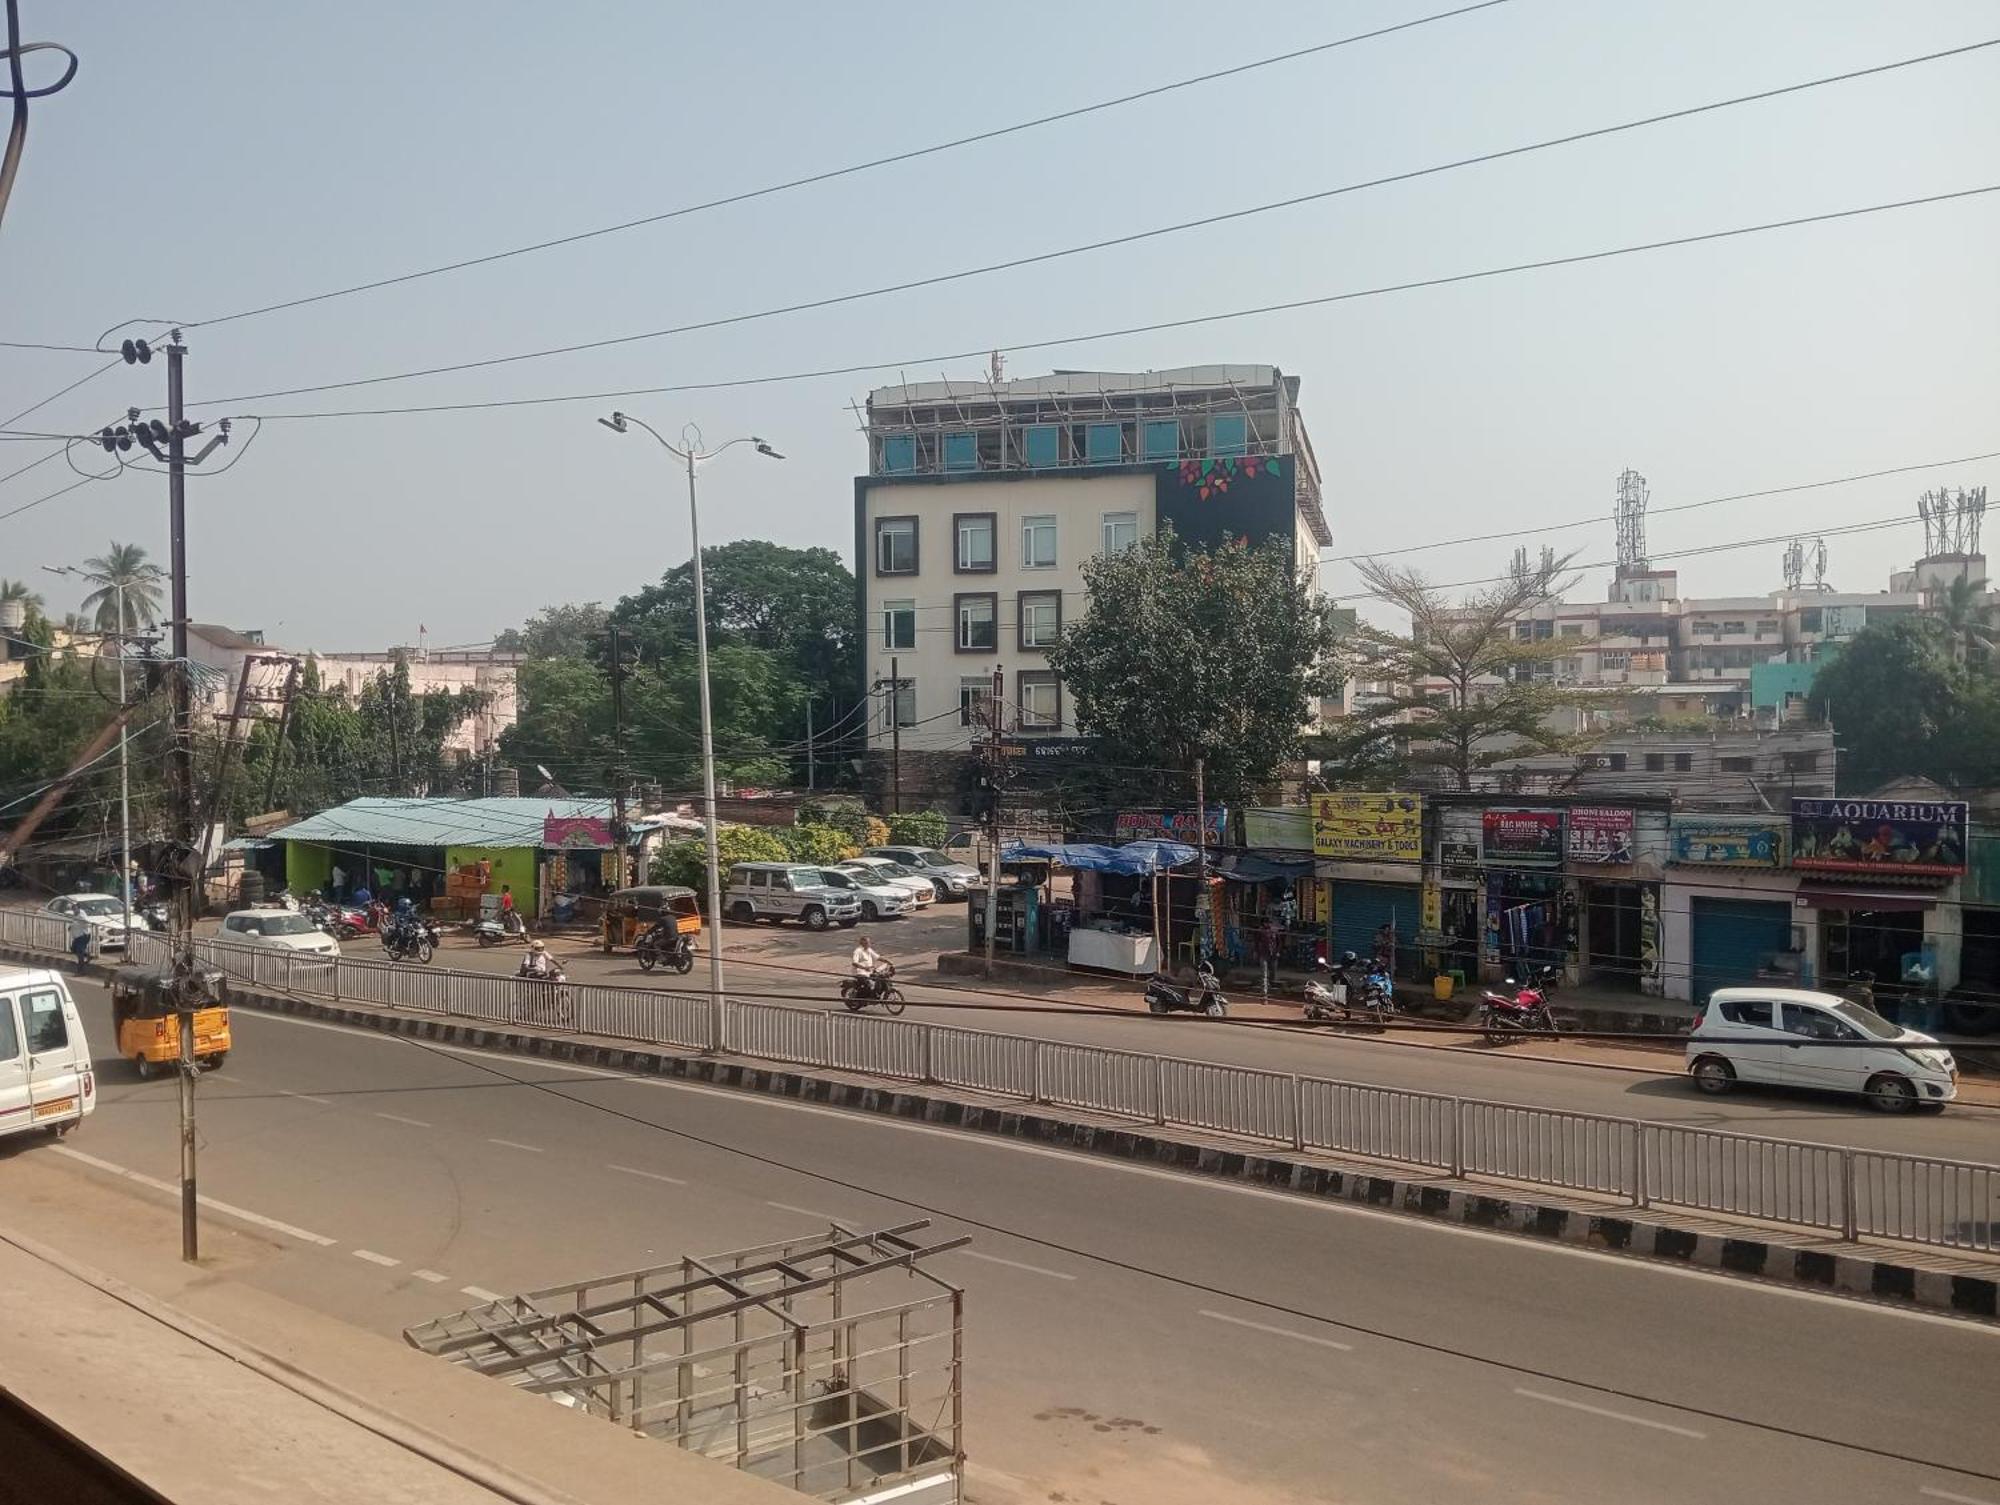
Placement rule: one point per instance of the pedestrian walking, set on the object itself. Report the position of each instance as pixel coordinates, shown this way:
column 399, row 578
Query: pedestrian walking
column 80, row 937
column 339, row 876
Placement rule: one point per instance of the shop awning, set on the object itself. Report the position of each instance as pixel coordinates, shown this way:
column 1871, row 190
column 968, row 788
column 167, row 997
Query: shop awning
column 1090, row 857
column 1907, row 901
column 1254, row 867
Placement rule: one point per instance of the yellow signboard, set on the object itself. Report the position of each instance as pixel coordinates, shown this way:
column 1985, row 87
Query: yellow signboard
column 1369, row 827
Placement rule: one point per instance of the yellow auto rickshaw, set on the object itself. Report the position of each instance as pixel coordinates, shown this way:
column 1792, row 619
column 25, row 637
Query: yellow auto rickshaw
column 658, row 922
column 149, row 1029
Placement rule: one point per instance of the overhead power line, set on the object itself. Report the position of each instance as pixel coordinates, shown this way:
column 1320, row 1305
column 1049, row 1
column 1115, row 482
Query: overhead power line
column 911, row 155
column 1111, row 242
column 1123, row 332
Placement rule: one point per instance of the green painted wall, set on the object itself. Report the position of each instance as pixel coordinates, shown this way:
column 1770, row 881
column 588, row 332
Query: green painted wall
column 308, row 866
column 513, row 866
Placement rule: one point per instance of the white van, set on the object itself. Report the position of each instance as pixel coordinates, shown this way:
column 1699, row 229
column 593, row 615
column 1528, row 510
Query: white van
column 45, row 1077
column 1818, row 1040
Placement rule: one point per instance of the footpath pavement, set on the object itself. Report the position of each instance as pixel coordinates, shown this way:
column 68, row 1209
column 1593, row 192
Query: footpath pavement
column 200, row 1387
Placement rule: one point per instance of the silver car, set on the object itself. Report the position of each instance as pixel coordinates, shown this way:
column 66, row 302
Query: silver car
column 949, row 876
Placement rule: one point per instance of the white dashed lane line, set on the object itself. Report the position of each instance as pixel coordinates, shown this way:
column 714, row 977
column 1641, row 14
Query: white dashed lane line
column 376, row 1259
column 397, row 1118
column 1013, row 1264
column 509, row 1144
column 633, row 1170
column 306, row 1097
column 804, row 1212
column 1945, row 1494
column 431, row 1275
column 1279, row 1332
column 292, row 1230
column 480, row 1293
column 1637, row 1421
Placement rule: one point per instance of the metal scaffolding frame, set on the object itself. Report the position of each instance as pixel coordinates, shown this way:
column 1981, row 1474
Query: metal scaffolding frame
column 808, row 1362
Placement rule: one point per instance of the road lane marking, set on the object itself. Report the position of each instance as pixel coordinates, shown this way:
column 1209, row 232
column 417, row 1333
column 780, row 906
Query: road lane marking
column 431, row 1275
column 804, row 1212
column 1278, row 1332
column 397, row 1118
column 306, row 1097
column 480, row 1293
column 1945, row 1494
column 633, row 1170
column 1637, row 1421
column 515, row 1144
column 376, row 1259
column 1013, row 1264
column 212, row 1203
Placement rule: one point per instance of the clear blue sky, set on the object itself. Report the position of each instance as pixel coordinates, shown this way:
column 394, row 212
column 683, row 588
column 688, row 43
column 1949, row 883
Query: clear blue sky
column 227, row 155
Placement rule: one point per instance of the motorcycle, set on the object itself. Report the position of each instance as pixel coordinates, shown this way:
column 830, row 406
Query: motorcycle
column 1162, row 997
column 153, row 915
column 548, row 1003
column 859, row 992
column 1342, row 1000
column 351, row 920
column 1520, row 1007
column 663, row 943
column 415, row 940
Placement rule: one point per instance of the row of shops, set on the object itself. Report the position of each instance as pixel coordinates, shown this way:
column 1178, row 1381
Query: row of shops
column 1629, row 895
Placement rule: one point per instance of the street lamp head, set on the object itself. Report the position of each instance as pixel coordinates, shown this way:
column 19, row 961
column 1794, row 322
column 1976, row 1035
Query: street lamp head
column 56, row 569
column 616, row 423
column 765, row 449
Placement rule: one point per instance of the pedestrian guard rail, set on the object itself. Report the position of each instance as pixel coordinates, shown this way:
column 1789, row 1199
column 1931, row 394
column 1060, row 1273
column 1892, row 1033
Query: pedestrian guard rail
column 1845, row 1191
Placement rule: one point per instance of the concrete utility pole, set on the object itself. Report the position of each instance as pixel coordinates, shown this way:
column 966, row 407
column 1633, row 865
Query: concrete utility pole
column 1201, row 864
column 996, row 724
column 894, row 684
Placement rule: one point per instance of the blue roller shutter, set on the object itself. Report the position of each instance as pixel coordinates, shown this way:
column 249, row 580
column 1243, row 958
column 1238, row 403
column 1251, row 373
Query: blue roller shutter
column 1360, row 909
column 1731, row 938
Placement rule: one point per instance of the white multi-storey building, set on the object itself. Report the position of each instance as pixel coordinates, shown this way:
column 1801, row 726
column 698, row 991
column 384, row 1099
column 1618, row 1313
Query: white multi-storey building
column 983, row 500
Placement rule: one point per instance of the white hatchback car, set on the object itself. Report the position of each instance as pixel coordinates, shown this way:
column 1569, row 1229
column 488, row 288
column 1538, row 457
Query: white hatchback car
column 278, row 927
column 1817, row 1040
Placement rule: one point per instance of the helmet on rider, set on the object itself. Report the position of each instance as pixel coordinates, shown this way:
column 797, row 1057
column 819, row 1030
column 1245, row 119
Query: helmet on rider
column 537, row 945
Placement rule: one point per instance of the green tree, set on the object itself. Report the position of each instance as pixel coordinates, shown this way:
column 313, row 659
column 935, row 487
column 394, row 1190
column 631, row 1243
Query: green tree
column 123, row 573
column 562, row 719
column 1183, row 653
column 918, row 828
column 686, row 862
column 796, row 603
column 558, row 632
column 1900, row 704
column 1966, row 613
column 818, row 844
column 1465, row 690
column 19, row 590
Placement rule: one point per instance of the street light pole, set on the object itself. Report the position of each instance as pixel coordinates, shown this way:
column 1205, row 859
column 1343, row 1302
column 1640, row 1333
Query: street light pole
column 690, row 451
column 124, row 759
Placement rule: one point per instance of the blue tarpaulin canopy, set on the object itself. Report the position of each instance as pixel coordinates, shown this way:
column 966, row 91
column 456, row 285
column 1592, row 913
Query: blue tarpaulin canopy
column 1133, row 857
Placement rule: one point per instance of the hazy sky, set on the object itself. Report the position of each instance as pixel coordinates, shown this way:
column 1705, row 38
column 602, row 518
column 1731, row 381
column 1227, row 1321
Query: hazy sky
column 224, row 156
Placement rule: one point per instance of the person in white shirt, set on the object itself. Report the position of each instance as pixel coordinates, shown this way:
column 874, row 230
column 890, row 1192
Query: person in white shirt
column 537, row 963
column 866, row 959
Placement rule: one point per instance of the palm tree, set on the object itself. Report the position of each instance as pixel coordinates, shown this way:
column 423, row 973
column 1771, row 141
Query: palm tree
column 123, row 573
column 1966, row 612
column 17, row 590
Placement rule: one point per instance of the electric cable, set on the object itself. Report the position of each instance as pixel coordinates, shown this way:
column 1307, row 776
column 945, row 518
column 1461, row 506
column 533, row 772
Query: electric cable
column 17, row 90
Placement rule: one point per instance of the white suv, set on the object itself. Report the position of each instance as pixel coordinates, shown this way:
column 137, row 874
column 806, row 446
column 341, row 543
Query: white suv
column 782, row 891
column 1817, row 1040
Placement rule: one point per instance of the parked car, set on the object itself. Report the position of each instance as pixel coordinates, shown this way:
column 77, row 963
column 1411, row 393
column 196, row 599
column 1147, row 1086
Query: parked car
column 1818, row 1040
column 284, row 928
column 879, row 898
column 881, row 870
column 949, row 876
column 102, row 912
column 46, row 1080
column 779, row 891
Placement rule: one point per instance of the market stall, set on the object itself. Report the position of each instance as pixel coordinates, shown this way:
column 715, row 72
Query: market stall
column 1116, row 920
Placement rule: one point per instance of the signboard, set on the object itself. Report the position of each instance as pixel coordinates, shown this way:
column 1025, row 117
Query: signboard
column 576, row 831
column 1458, row 854
column 1169, row 825
column 1521, row 838
column 1879, row 836
column 1600, row 834
column 1285, row 828
column 1036, row 750
column 1368, row 827
column 1725, row 841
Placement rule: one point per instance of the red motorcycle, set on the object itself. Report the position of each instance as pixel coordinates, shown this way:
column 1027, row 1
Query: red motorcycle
column 350, row 920
column 1520, row 1008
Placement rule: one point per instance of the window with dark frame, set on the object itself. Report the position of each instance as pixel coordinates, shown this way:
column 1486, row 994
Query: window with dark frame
column 1041, row 702
column 1683, row 762
column 975, row 694
column 972, row 547
column 899, row 624
column 1040, row 615
column 977, row 615
column 895, row 546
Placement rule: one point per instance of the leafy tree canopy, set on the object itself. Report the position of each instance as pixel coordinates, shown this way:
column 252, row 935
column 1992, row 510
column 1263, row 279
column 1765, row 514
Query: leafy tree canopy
column 1900, row 703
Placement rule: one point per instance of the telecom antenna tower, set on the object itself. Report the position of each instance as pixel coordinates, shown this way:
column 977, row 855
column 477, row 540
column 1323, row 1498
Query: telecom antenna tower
column 1952, row 520
column 1795, row 565
column 1631, row 515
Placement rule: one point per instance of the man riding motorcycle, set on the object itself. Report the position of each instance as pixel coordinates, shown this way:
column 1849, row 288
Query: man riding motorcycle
column 537, row 963
column 870, row 966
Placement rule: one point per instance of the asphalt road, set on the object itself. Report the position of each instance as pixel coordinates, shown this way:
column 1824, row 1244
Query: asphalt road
column 1134, row 1336
column 780, row 965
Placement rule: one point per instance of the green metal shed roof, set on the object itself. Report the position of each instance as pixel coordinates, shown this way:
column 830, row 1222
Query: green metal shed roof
column 440, row 822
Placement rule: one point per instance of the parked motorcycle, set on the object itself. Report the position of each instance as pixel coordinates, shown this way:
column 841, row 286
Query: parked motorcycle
column 664, row 943
column 1520, row 1007
column 153, row 916
column 414, row 940
column 1344, row 998
column 859, row 992
column 1162, row 997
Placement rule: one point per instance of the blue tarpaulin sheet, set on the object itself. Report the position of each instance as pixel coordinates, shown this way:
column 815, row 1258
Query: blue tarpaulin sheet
column 1132, row 857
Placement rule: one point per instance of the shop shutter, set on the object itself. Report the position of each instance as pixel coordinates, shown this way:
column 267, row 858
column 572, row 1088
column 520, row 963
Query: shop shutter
column 1360, row 909
column 1731, row 940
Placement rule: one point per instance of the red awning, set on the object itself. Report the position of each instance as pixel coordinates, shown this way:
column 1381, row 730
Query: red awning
column 1876, row 902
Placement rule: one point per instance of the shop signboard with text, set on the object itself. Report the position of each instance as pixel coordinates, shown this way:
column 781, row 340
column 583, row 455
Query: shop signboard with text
column 1879, row 836
column 1170, row 825
column 1368, row 827
column 1745, row 841
column 1282, row 828
column 1600, row 834
column 1521, row 838
column 575, row 832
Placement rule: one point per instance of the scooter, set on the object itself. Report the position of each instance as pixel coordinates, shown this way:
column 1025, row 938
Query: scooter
column 1162, row 997
column 509, row 927
column 663, row 943
column 1341, row 1000
column 1519, row 1007
column 859, row 992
